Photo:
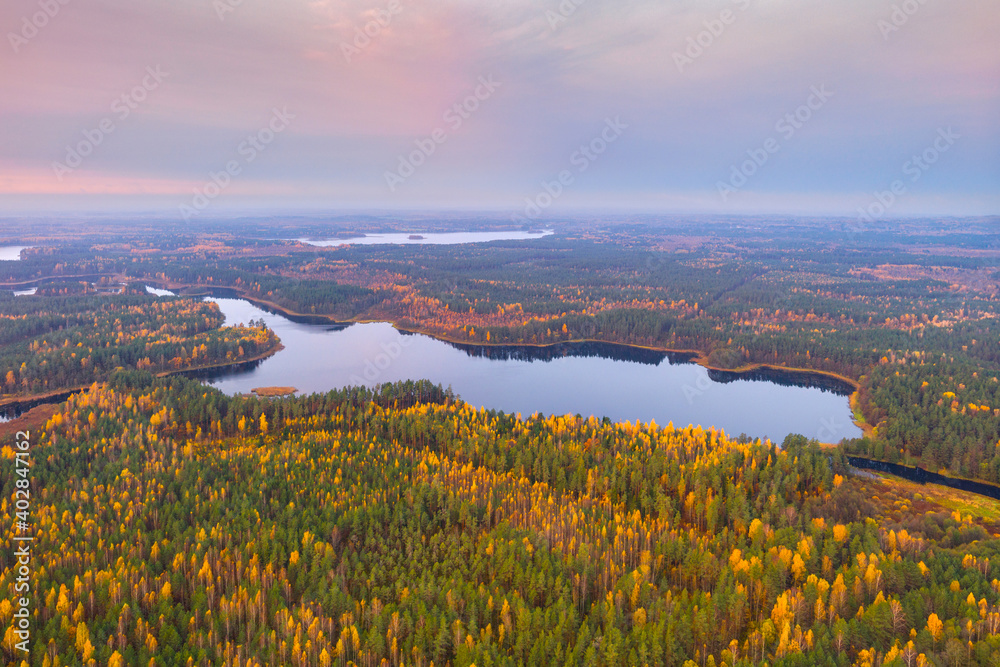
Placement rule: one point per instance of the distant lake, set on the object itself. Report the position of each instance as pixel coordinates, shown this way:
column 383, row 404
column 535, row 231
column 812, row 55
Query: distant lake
column 11, row 253
column 428, row 238
column 616, row 381
column 105, row 290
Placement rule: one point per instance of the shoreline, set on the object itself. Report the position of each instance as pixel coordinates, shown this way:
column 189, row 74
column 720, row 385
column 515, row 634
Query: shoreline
column 697, row 356
column 59, row 395
column 36, row 282
column 924, row 476
column 40, row 399
column 249, row 360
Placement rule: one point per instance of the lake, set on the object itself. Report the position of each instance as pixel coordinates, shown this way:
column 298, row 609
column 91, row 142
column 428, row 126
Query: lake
column 428, row 238
column 11, row 253
column 619, row 382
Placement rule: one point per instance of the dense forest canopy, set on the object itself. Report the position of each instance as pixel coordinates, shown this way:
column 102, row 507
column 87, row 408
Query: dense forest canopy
column 181, row 526
column 65, row 340
column 176, row 525
column 908, row 310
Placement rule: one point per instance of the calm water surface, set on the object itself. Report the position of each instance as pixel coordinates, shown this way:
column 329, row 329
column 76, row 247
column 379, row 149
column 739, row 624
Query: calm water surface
column 449, row 238
column 603, row 380
column 11, row 253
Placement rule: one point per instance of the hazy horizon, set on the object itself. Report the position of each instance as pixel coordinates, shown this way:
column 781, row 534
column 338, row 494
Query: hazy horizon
column 200, row 108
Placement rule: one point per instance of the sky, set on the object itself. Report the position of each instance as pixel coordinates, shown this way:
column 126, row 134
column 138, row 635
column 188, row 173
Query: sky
column 190, row 108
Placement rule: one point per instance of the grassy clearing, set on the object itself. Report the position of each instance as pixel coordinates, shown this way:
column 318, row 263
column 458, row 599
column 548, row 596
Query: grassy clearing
column 897, row 496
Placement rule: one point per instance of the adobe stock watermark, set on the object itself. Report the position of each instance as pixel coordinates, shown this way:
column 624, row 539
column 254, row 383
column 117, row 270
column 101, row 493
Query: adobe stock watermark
column 919, row 164
column 248, row 150
column 565, row 10
column 224, row 7
column 699, row 43
column 121, row 109
column 582, row 159
column 697, row 389
column 787, row 127
column 377, row 365
column 900, row 16
column 33, row 24
column 364, row 35
column 454, row 118
column 829, row 430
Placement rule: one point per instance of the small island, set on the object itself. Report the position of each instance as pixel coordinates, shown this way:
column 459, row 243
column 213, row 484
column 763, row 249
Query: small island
column 274, row 391
column 415, row 237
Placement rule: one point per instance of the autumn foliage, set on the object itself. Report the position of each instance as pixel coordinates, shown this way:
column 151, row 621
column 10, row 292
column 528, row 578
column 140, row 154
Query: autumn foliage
column 180, row 526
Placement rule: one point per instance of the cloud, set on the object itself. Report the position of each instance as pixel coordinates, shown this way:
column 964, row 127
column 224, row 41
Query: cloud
column 356, row 113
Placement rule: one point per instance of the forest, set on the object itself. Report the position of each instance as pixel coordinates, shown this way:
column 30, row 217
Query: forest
column 180, row 526
column 907, row 312
column 176, row 525
column 70, row 339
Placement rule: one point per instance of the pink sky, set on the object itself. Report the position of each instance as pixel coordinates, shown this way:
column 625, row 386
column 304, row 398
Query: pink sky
column 560, row 75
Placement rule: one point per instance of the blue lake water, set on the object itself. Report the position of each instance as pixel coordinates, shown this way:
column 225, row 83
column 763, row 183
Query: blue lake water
column 11, row 253
column 622, row 383
column 409, row 238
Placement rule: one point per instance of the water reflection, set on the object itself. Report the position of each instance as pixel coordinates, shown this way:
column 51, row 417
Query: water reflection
column 622, row 383
column 560, row 350
column 786, row 379
column 14, row 410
